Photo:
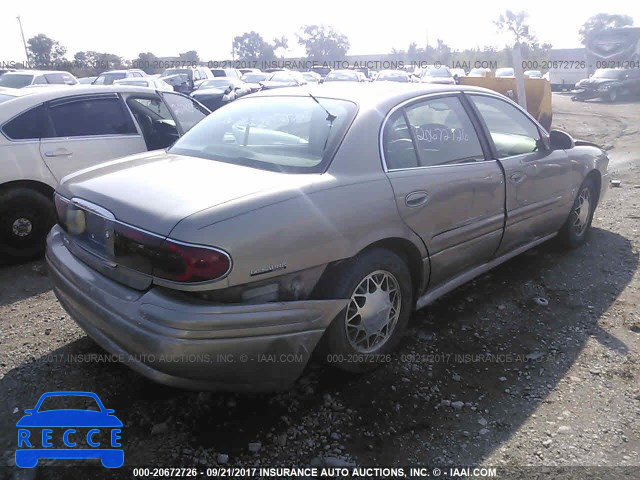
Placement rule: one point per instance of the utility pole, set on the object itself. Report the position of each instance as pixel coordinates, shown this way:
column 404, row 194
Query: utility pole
column 26, row 52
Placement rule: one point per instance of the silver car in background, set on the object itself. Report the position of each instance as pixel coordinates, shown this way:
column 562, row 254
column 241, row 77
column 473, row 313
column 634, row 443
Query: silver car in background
column 300, row 220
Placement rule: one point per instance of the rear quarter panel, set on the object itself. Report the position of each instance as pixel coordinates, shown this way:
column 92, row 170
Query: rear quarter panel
column 21, row 160
column 332, row 220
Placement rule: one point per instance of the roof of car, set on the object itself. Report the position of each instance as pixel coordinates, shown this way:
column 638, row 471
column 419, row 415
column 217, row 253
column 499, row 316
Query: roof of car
column 34, row 72
column 369, row 94
column 10, row 108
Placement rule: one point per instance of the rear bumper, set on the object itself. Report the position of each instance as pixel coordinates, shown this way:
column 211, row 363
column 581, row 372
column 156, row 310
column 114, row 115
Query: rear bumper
column 245, row 347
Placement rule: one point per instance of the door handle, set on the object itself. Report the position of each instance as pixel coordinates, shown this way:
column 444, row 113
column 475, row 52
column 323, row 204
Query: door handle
column 517, row 177
column 59, row 152
column 416, row 199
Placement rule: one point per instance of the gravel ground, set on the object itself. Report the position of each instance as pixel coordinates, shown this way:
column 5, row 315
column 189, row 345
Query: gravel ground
column 485, row 376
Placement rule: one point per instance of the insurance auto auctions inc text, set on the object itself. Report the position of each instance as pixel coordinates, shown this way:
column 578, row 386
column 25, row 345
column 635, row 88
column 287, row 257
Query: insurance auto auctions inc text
column 351, row 472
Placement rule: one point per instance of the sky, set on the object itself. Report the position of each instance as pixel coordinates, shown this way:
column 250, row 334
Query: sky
column 126, row 27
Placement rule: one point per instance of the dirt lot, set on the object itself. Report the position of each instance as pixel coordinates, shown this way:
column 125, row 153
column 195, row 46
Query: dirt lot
column 484, row 376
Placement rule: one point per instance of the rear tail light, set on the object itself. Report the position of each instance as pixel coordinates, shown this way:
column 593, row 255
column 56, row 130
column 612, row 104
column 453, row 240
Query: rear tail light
column 152, row 254
column 168, row 259
column 180, row 262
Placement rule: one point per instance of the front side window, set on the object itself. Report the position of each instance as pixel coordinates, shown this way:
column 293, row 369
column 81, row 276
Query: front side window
column 30, row 125
column 443, row 132
column 187, row 112
column 90, row 117
column 288, row 134
column 512, row 132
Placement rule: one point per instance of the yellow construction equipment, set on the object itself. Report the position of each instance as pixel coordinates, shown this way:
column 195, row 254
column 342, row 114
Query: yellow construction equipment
column 538, row 92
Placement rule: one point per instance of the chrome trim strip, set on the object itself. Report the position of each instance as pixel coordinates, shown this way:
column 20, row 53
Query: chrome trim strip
column 431, row 295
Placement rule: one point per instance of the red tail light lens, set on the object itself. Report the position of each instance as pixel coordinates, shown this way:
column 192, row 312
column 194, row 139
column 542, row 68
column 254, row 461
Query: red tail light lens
column 168, row 259
column 152, row 254
column 185, row 263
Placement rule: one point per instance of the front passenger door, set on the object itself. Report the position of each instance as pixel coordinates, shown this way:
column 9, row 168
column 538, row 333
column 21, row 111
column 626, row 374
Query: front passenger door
column 538, row 179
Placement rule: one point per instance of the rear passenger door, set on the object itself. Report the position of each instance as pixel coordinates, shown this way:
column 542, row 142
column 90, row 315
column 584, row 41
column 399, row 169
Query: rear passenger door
column 445, row 189
column 88, row 130
column 538, row 179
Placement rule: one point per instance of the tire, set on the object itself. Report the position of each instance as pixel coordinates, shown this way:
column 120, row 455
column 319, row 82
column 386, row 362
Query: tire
column 348, row 343
column 26, row 216
column 576, row 229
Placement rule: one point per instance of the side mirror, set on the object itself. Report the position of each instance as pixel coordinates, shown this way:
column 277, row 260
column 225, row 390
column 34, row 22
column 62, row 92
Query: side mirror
column 559, row 140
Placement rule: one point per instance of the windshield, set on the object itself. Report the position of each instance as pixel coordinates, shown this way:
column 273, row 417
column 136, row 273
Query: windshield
column 254, row 77
column 15, row 80
column 348, row 76
column 109, row 78
column 222, row 82
column 437, row 72
column 175, row 71
column 66, row 402
column 281, row 77
column 287, row 134
column 393, row 76
column 602, row 73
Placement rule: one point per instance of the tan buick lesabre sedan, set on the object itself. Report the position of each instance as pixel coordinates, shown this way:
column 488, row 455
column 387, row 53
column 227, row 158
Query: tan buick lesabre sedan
column 302, row 220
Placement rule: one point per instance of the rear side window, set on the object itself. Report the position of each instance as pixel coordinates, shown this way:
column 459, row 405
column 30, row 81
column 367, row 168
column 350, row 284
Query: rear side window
column 90, row 117
column 30, row 125
column 443, row 132
column 431, row 132
column 398, row 145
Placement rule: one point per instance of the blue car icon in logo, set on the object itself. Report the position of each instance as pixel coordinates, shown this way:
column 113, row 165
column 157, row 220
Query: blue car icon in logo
column 69, row 433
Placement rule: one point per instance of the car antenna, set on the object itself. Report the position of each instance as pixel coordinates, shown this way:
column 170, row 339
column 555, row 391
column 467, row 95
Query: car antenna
column 330, row 117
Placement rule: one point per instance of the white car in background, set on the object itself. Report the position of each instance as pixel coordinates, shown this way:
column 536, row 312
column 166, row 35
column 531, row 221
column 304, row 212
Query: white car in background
column 48, row 133
column 107, row 78
column 440, row 75
column 149, row 82
column 506, row 72
column 30, row 78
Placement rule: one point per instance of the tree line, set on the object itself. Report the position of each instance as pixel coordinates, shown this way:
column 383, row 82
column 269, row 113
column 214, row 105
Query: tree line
column 320, row 43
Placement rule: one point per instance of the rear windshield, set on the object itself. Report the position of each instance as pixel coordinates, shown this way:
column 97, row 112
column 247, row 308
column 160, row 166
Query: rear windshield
column 222, row 82
column 175, row 71
column 349, row 76
column 437, row 72
column 286, row 134
column 15, row 80
column 109, row 78
column 254, row 77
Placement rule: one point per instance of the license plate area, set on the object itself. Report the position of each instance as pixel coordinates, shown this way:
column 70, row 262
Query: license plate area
column 91, row 228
